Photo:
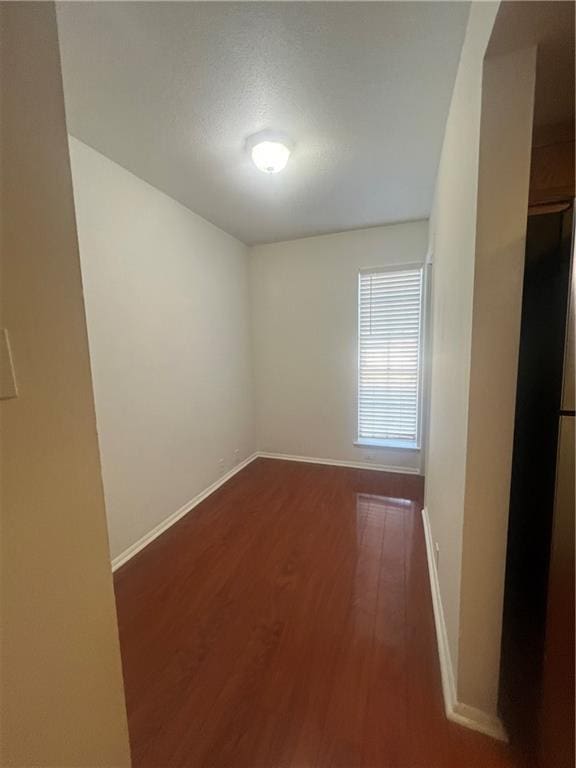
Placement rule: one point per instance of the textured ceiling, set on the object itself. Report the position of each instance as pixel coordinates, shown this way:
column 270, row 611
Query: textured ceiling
column 170, row 91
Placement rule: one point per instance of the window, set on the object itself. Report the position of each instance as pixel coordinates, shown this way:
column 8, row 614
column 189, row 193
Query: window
column 390, row 356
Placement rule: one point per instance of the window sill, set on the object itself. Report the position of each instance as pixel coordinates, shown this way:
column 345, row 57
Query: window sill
column 404, row 445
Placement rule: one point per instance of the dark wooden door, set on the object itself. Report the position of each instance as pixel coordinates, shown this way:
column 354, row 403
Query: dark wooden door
column 538, row 402
column 556, row 748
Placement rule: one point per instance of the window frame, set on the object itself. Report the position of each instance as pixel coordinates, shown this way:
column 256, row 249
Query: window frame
column 390, row 443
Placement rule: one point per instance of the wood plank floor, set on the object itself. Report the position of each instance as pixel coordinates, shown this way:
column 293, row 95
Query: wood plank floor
column 287, row 623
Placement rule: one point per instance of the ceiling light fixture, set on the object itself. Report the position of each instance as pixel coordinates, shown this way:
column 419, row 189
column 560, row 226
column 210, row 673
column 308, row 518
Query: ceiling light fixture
column 269, row 151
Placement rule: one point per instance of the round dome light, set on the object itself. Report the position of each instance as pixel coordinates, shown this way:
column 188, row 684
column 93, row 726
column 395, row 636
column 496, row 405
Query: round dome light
column 269, row 151
column 270, row 156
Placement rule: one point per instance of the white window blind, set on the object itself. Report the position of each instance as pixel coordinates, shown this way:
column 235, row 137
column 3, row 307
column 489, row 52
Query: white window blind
column 389, row 357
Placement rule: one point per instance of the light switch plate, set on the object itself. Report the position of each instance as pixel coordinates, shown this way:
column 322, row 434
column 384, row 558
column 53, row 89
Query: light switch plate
column 8, row 387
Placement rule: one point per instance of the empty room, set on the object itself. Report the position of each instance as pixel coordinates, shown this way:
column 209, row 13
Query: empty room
column 287, row 384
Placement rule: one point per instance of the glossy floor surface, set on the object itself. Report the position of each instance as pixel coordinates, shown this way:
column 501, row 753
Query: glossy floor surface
column 286, row 622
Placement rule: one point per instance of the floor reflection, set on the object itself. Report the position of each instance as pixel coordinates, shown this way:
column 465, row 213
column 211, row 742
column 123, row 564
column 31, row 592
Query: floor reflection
column 380, row 520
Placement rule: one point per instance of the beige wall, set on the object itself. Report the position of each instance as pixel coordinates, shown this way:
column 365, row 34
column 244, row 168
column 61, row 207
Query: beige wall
column 304, row 304
column 168, row 324
column 453, row 244
column 62, row 698
column 505, row 146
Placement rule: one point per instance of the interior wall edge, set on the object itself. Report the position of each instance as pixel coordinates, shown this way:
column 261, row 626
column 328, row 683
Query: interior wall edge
column 456, row 711
column 503, row 181
column 453, row 243
column 338, row 232
column 63, row 700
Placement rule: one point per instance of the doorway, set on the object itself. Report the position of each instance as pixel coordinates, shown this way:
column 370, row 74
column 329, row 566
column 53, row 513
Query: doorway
column 534, row 467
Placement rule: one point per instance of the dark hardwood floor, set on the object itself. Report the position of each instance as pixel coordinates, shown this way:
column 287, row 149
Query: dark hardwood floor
column 286, row 622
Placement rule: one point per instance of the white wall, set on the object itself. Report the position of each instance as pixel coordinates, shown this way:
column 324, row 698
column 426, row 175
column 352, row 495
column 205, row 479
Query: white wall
column 477, row 234
column 62, row 699
column 504, row 172
column 168, row 324
column 453, row 244
column 304, row 322
column 191, row 363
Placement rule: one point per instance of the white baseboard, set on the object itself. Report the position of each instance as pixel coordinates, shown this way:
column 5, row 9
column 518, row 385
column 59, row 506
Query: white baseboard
column 446, row 671
column 456, row 711
column 133, row 549
column 339, row 463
